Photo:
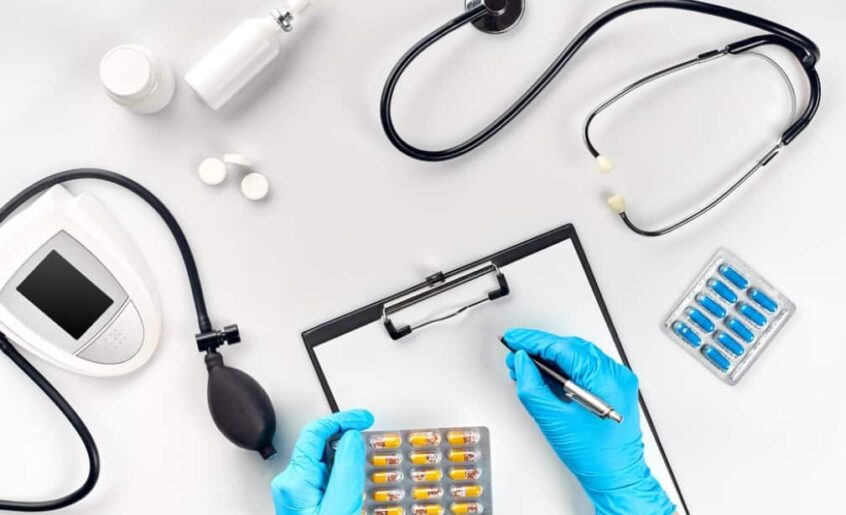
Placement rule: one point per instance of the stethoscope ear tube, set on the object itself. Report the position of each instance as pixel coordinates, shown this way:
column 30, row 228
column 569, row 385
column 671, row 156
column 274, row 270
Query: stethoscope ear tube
column 741, row 48
column 808, row 58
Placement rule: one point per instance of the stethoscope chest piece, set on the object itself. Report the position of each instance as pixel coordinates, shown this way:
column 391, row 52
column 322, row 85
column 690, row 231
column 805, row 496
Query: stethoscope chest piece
column 504, row 14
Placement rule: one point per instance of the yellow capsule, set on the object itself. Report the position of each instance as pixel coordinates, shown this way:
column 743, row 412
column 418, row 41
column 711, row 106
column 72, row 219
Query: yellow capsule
column 465, row 491
column 427, row 509
column 466, row 508
column 426, row 475
column 464, row 455
column 420, row 493
column 389, row 510
column 462, row 474
column 425, row 458
column 386, row 460
column 388, row 495
column 390, row 476
column 463, row 437
column 386, row 441
column 424, row 439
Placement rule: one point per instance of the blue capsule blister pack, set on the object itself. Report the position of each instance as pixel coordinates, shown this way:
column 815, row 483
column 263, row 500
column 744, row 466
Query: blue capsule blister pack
column 728, row 316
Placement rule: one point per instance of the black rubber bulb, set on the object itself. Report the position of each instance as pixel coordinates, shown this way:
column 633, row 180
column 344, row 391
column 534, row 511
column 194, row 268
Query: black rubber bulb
column 241, row 409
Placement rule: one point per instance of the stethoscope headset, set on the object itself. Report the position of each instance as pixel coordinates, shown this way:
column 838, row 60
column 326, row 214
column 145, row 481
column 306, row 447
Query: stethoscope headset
column 497, row 16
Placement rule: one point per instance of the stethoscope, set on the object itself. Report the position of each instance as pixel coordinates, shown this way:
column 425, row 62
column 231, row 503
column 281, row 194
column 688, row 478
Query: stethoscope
column 497, row 16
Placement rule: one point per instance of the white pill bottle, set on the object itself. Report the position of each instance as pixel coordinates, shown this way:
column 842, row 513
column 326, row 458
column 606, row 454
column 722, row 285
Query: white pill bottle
column 136, row 79
column 242, row 55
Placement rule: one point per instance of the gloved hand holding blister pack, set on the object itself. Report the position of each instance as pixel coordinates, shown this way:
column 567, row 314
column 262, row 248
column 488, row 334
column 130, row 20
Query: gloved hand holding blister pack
column 606, row 457
column 306, row 487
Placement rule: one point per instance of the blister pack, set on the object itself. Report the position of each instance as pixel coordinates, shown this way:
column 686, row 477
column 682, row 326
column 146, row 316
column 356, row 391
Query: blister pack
column 428, row 472
column 728, row 316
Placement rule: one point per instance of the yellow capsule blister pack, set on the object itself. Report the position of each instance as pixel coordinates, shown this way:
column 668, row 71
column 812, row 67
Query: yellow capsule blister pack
column 427, row 472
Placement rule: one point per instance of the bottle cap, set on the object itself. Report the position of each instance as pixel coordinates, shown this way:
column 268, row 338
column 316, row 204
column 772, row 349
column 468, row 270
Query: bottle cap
column 127, row 72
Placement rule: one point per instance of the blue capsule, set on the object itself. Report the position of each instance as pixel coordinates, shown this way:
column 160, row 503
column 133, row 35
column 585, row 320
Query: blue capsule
column 734, row 276
column 722, row 289
column 711, row 305
column 738, row 328
column 687, row 334
column 699, row 318
column 751, row 314
column 716, row 357
column 729, row 343
column 762, row 300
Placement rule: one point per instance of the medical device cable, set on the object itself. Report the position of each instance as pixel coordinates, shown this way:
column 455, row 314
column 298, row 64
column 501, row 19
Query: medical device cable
column 809, row 50
column 78, row 425
column 251, row 427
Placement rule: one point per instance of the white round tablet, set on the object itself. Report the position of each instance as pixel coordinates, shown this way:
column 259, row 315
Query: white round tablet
column 212, row 171
column 239, row 160
column 255, row 186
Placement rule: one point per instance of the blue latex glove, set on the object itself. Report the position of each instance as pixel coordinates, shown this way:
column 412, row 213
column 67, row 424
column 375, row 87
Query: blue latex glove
column 606, row 457
column 304, row 488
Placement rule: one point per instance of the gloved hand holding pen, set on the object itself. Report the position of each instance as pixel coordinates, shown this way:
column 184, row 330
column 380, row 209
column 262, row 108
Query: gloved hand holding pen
column 606, row 457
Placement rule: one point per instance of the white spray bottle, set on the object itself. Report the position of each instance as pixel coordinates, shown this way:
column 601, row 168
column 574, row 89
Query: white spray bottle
column 242, row 55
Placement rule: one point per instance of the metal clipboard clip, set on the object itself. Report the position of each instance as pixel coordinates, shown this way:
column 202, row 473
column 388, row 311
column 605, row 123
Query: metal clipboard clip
column 436, row 285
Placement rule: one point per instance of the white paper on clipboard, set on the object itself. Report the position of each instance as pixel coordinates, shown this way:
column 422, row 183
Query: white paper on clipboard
column 453, row 374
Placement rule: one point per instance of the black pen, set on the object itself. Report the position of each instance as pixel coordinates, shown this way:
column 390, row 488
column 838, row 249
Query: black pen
column 573, row 391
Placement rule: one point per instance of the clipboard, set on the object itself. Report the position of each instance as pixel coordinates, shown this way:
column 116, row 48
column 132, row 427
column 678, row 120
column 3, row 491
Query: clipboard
column 428, row 356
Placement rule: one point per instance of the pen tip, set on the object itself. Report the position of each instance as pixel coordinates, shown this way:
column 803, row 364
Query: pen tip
column 616, row 417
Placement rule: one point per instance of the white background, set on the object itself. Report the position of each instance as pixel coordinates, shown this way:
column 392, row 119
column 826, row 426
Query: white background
column 351, row 219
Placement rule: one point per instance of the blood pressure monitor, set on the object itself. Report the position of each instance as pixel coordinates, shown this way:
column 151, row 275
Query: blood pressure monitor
column 74, row 290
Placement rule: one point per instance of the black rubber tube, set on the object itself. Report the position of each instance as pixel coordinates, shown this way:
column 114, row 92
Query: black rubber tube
column 809, row 60
column 75, row 421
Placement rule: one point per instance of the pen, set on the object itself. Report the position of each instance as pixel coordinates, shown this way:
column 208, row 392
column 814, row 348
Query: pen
column 575, row 392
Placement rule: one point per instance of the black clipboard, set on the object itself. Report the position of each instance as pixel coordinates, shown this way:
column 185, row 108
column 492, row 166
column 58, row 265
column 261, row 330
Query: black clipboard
column 324, row 333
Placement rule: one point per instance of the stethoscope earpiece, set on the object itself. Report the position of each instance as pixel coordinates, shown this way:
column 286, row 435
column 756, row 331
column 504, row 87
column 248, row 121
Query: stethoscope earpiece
column 605, row 164
column 617, row 203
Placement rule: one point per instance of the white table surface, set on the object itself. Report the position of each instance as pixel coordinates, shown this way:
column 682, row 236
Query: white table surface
column 351, row 219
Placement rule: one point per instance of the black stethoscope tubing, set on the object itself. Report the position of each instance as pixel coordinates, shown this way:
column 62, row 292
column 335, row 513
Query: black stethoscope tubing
column 805, row 50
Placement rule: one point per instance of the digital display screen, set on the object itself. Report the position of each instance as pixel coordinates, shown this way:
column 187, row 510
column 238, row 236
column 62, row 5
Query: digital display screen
column 66, row 296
